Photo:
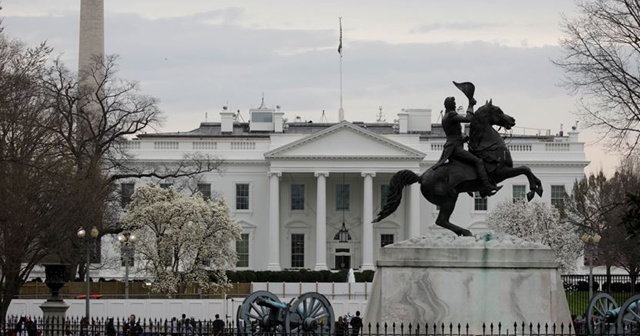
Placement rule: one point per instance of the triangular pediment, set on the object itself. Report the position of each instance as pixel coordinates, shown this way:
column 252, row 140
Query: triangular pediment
column 345, row 140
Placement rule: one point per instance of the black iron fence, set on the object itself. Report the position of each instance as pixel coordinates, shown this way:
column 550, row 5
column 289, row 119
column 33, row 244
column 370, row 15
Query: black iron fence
column 160, row 327
column 191, row 327
column 577, row 289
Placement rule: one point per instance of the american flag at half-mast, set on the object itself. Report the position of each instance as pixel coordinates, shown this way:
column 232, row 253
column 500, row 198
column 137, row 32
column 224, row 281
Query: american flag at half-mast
column 340, row 45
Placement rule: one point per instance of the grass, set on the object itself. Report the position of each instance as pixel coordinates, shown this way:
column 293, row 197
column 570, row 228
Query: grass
column 579, row 300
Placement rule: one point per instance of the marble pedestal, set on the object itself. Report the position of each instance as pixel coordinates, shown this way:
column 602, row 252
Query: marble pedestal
column 468, row 280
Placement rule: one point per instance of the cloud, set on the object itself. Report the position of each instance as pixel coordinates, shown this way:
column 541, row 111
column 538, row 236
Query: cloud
column 459, row 26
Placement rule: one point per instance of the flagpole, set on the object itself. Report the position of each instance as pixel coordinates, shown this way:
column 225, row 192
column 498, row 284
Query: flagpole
column 341, row 110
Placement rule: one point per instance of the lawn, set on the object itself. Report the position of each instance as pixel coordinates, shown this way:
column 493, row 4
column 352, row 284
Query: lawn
column 579, row 300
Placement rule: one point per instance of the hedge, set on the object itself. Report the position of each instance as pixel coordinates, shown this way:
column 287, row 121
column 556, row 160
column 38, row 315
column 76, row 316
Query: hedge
column 297, row 275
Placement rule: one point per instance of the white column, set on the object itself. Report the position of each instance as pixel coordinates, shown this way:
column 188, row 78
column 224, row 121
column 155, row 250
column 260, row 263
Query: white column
column 414, row 211
column 367, row 226
column 321, row 221
column 274, row 221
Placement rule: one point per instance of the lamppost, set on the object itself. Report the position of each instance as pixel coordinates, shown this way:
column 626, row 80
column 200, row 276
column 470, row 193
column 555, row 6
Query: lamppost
column 90, row 240
column 126, row 239
column 591, row 244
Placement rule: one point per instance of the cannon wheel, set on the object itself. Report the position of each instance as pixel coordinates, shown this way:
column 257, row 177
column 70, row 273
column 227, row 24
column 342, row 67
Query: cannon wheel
column 253, row 319
column 629, row 317
column 310, row 314
column 598, row 307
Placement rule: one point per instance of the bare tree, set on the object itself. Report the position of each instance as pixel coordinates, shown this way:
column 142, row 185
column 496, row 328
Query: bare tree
column 602, row 65
column 98, row 115
column 63, row 147
column 33, row 177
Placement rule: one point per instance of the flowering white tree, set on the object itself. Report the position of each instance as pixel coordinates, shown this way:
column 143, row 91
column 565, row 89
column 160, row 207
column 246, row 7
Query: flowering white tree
column 539, row 222
column 181, row 239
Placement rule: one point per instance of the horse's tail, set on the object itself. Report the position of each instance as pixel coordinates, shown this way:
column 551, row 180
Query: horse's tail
column 398, row 181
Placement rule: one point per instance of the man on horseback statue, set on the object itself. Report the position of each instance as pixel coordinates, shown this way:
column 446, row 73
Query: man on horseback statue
column 454, row 147
column 489, row 159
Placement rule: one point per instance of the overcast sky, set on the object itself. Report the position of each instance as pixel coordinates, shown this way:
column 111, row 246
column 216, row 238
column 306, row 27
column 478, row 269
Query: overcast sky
column 197, row 56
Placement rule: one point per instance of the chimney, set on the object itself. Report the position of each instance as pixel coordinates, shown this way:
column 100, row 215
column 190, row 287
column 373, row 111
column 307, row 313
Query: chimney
column 226, row 120
column 419, row 120
column 403, row 122
column 278, row 117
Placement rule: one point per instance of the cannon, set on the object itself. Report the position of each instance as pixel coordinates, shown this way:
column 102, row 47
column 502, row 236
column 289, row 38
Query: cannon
column 262, row 313
column 605, row 316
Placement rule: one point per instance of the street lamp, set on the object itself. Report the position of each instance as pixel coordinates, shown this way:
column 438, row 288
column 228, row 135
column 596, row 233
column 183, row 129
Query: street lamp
column 126, row 239
column 90, row 240
column 591, row 244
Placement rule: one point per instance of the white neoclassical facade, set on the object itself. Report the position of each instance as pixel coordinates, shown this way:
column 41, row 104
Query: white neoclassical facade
column 292, row 185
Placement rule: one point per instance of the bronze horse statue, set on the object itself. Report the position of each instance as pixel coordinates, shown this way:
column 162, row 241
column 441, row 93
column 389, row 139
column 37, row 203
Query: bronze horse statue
column 441, row 186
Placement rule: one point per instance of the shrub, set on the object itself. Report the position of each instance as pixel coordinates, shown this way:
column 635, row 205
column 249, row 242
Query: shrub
column 296, row 275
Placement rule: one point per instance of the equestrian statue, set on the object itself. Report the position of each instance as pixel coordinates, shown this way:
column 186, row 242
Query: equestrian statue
column 486, row 163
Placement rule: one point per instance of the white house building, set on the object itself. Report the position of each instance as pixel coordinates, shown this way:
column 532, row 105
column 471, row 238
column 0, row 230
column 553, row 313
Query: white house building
column 293, row 185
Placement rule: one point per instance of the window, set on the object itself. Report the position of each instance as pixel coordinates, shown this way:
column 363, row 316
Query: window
column 126, row 190
column 242, row 250
column 384, row 192
column 205, row 190
column 261, row 117
column 386, row 239
column 342, row 197
column 557, row 195
column 479, row 203
column 297, row 250
column 242, row 196
column 297, row 197
column 518, row 192
column 165, row 185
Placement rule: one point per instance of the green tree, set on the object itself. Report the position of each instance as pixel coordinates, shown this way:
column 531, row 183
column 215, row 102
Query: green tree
column 591, row 208
column 597, row 205
column 625, row 181
column 182, row 239
column 631, row 217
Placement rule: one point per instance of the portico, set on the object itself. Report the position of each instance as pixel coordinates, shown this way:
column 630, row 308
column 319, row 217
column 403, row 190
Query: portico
column 339, row 185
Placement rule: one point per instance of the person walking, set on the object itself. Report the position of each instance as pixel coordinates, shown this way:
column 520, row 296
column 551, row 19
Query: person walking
column 110, row 328
column 32, row 329
column 218, row 326
column 132, row 327
column 356, row 324
column 174, row 327
column 341, row 326
column 84, row 326
column 21, row 326
column 188, row 327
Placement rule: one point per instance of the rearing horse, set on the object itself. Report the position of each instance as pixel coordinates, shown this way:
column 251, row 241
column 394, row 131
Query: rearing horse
column 441, row 186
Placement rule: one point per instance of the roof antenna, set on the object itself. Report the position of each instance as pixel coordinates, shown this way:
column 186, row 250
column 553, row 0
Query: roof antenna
column 239, row 116
column 380, row 116
column 323, row 118
column 262, row 103
column 206, row 117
